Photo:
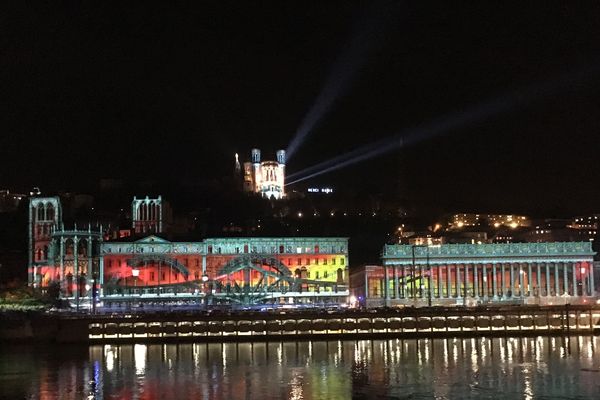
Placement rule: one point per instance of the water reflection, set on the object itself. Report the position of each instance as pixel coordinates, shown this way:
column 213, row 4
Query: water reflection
column 499, row 368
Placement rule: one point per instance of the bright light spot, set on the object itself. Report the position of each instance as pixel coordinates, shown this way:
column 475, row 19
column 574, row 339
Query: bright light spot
column 496, row 224
column 299, row 215
column 514, row 225
column 460, row 224
column 583, row 270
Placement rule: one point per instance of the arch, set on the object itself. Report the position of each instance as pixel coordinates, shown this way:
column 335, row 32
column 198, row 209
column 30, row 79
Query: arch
column 82, row 247
column 49, row 212
column 38, row 254
column 69, row 247
column 340, row 275
column 40, row 212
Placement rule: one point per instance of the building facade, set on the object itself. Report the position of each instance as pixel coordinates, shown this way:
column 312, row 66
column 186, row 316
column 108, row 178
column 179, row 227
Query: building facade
column 85, row 264
column 472, row 274
column 229, row 270
column 265, row 177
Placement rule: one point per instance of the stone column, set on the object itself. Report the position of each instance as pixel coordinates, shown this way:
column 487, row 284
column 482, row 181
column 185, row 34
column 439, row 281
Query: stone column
column 556, row 286
column 529, row 280
column 512, row 279
column 565, row 278
column 466, row 281
column 440, row 282
column 476, row 280
column 459, row 292
column 538, row 279
column 502, row 281
column 396, row 283
column 402, row 287
column 547, row 264
column 520, row 279
column 485, row 281
column 448, row 281
column 494, row 281
column 575, row 266
column 386, row 291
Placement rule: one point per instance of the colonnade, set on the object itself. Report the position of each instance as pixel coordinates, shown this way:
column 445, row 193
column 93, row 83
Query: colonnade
column 495, row 280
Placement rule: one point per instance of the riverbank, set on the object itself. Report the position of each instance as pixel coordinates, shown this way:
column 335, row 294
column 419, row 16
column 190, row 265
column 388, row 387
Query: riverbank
column 36, row 327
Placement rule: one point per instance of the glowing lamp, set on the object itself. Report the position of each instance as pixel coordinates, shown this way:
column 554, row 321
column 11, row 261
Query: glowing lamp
column 204, row 278
column 583, row 270
column 135, row 272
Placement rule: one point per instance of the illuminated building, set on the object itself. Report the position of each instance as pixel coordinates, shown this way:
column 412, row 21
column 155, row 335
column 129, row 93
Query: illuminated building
column 147, row 215
column 265, row 177
column 299, row 270
column 471, row 274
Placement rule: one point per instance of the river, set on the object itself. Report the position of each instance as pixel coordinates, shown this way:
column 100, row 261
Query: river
column 478, row 368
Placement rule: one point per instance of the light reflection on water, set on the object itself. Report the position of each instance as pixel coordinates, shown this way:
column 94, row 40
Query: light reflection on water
column 498, row 368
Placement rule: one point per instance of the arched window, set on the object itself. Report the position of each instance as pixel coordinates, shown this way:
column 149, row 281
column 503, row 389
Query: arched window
column 50, row 212
column 340, row 275
column 40, row 212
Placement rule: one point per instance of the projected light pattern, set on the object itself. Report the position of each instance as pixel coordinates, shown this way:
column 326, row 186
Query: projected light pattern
column 499, row 105
column 367, row 35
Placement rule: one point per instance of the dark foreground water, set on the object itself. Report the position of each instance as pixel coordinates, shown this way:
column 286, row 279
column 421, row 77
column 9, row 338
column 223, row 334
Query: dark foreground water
column 506, row 368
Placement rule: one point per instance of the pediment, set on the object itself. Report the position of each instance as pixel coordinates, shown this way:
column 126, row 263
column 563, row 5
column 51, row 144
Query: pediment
column 151, row 239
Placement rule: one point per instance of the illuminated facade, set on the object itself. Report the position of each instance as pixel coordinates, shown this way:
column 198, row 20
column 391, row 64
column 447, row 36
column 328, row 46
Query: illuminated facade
column 216, row 270
column 265, row 177
column 147, row 215
column 470, row 274
column 229, row 270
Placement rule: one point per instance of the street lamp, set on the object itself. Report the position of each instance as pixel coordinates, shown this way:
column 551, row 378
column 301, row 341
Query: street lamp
column 135, row 273
column 204, row 280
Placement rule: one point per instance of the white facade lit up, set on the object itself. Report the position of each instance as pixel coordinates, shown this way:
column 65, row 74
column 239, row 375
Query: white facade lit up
column 265, row 177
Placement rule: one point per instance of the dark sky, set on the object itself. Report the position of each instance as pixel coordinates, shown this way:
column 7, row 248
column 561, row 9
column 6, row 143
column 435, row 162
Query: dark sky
column 112, row 90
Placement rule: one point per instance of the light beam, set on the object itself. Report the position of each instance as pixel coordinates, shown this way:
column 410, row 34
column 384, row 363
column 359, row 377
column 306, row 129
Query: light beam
column 353, row 57
column 474, row 114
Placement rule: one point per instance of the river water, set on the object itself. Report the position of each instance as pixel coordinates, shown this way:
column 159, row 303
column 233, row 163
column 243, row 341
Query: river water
column 482, row 368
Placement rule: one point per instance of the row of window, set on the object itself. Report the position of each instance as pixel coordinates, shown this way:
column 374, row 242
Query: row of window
column 315, row 261
column 273, row 249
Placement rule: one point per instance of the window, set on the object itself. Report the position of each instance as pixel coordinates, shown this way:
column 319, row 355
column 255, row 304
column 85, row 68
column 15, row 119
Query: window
column 316, row 261
column 196, row 275
column 176, row 276
column 325, row 274
column 151, row 276
column 280, row 249
column 324, row 261
column 109, row 263
column 289, row 261
column 333, row 261
column 308, row 261
column 342, row 261
column 317, row 275
column 299, row 261
column 163, row 276
column 317, row 249
column 197, row 262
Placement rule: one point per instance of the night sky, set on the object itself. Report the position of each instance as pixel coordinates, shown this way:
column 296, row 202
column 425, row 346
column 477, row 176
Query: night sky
column 111, row 90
